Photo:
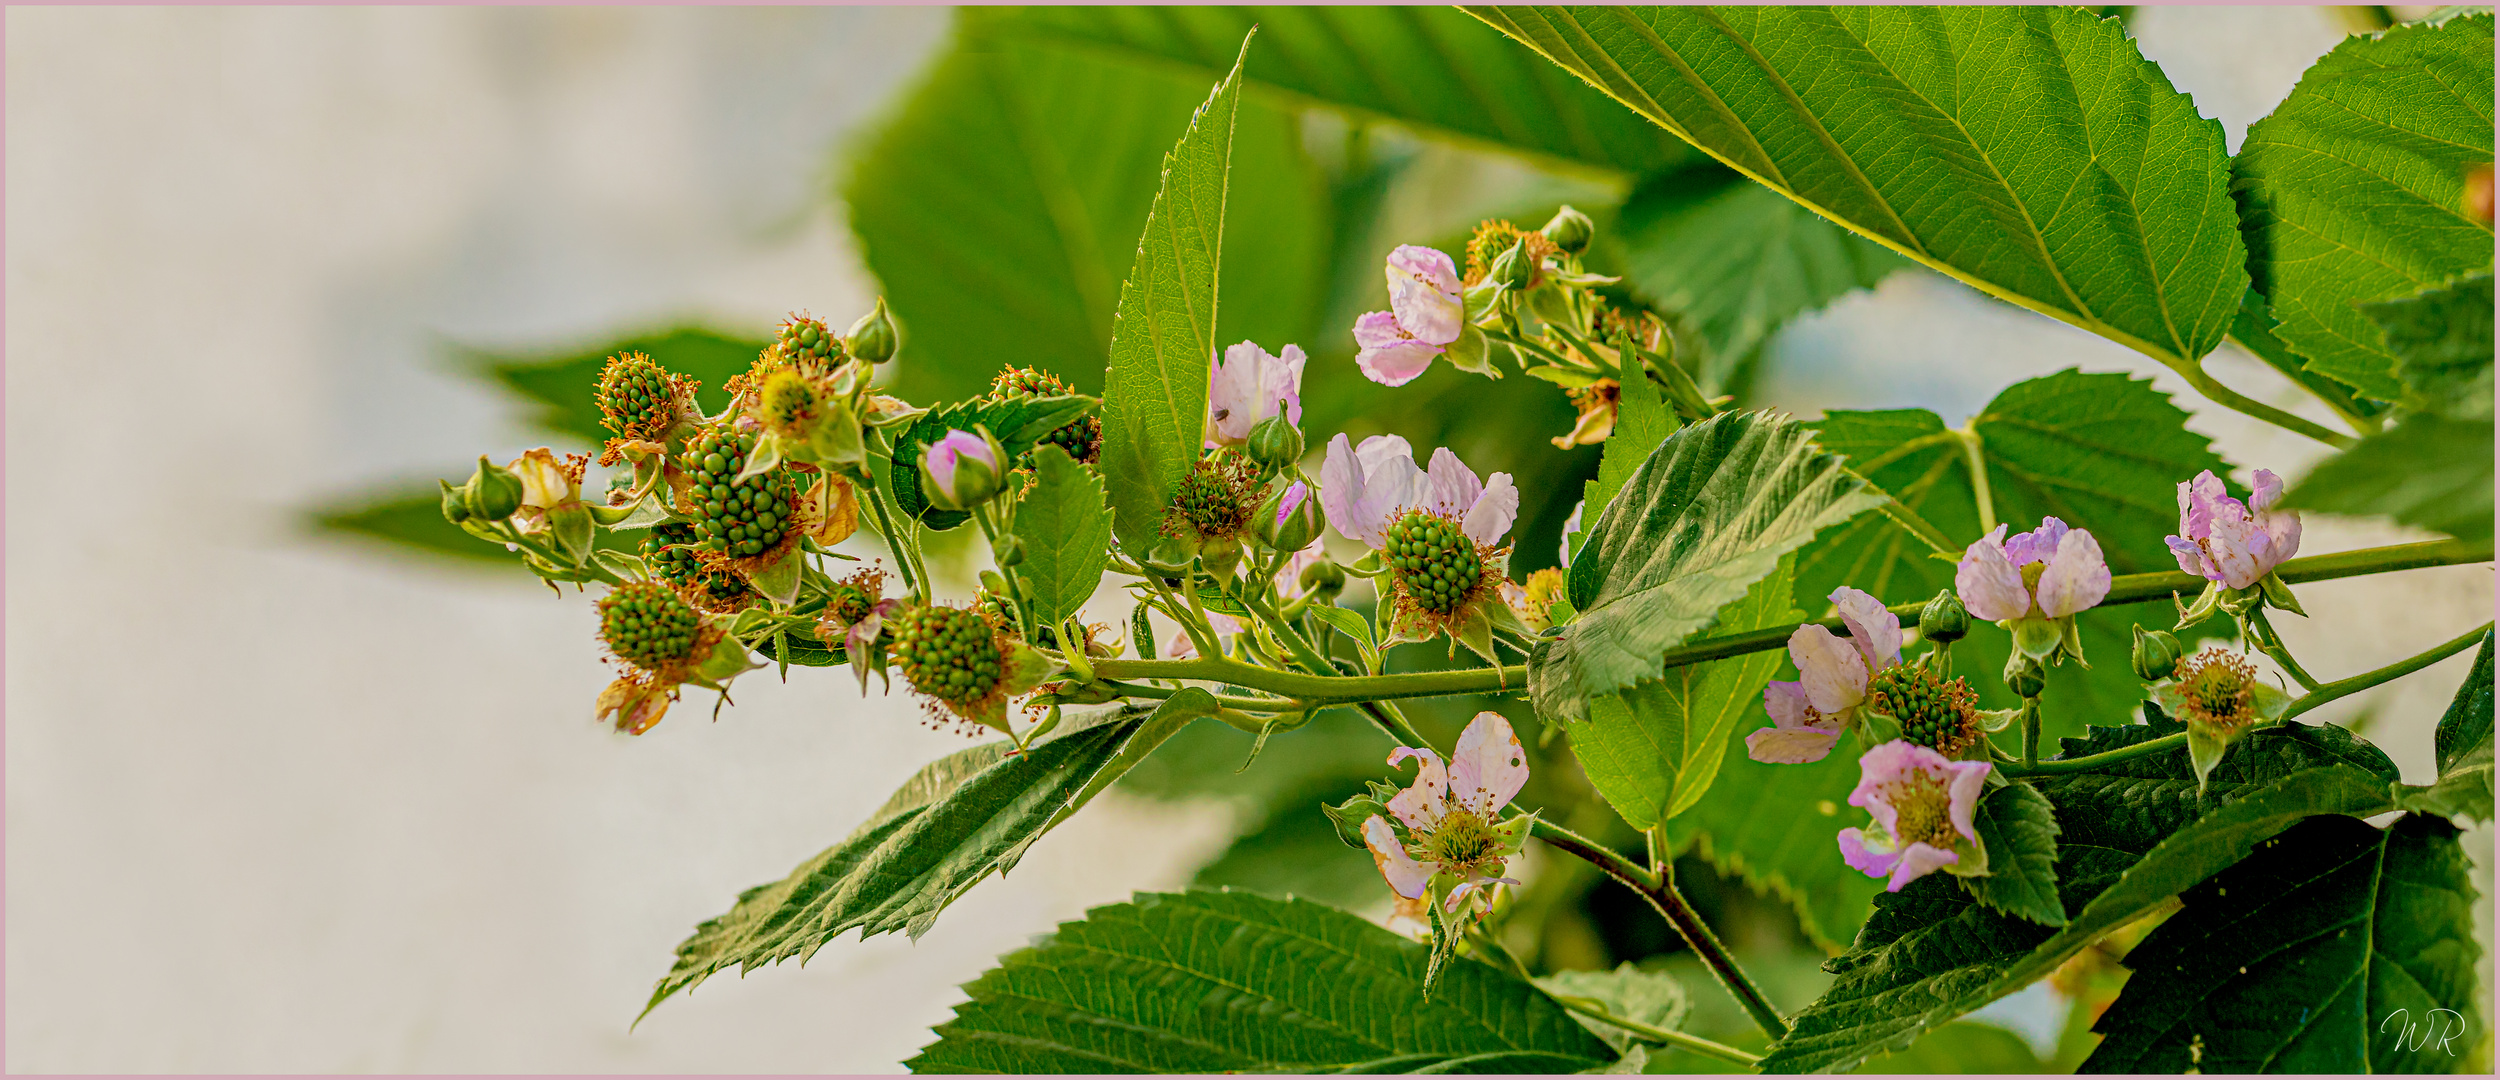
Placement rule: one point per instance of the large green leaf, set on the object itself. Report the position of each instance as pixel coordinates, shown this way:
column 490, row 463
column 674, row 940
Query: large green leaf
column 2070, row 179
column 2131, row 838
column 1019, row 423
column 2333, row 948
column 1643, row 997
column 1002, row 203
column 2020, row 828
column 1777, row 827
column 1066, row 530
column 1734, row 261
column 1432, row 69
column 1206, row 982
column 2441, row 338
column 1707, row 514
column 1654, row 750
column 2463, row 741
column 2433, row 468
column 2353, row 189
column 1642, row 421
column 1163, row 339
column 957, row 821
column 2102, row 452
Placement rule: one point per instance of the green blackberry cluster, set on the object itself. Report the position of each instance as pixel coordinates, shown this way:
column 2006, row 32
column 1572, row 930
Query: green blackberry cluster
column 669, row 550
column 637, row 397
column 808, row 343
column 948, row 653
column 1217, row 497
column 1082, row 439
column 1933, row 713
column 646, row 625
column 1435, row 564
column 737, row 518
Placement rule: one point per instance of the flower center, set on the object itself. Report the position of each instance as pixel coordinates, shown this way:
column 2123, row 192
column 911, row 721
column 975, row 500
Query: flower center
column 788, row 399
column 948, row 653
column 1435, row 564
column 1461, row 843
column 1215, row 499
column 1942, row 716
column 1922, row 809
column 2216, row 684
column 647, row 626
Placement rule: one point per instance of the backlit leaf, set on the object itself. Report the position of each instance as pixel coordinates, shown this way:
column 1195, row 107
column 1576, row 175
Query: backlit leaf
column 1066, row 530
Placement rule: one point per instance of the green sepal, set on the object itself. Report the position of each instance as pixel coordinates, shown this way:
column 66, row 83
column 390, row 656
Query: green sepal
column 2205, row 747
column 2203, row 608
column 1560, row 612
column 1367, row 566
column 765, row 458
column 1880, row 728
column 1997, row 719
column 837, row 439
column 2036, row 638
column 1567, row 378
column 1972, row 861
column 728, row 660
column 779, row 579
column 1472, row 352
column 1444, row 939
column 2269, row 701
column 1475, row 630
column 1349, row 816
column 2279, row 594
column 1513, row 832
column 623, row 564
column 1550, row 304
column 615, row 516
column 2070, row 639
column 1027, row 668
column 572, row 527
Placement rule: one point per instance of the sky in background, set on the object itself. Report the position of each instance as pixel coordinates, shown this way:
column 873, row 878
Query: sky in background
column 281, row 802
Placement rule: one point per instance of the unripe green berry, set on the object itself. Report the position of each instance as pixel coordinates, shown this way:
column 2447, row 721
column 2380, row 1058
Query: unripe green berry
column 948, row 653
column 736, row 517
column 646, row 625
column 1434, row 564
column 1933, row 713
column 637, row 398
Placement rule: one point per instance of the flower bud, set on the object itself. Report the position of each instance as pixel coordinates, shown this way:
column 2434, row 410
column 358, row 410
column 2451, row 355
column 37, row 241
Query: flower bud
column 1322, row 581
column 494, row 492
column 2024, row 677
column 1512, row 267
column 874, row 337
column 455, row 503
column 1289, row 519
column 1944, row 620
column 1275, row 443
column 2156, row 654
column 962, row 470
column 1570, row 230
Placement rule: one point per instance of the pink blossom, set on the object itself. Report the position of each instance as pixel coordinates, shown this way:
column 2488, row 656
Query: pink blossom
column 1995, row 583
column 1807, row 716
column 962, row 469
column 1248, row 385
column 1426, row 313
column 2222, row 539
column 1454, row 808
column 1363, row 490
column 1923, row 805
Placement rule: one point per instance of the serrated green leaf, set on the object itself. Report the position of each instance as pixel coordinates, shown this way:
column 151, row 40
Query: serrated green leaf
column 1163, row 339
column 2130, row 838
column 2428, row 470
column 2441, row 338
column 2020, row 830
column 1205, row 982
column 1642, row 421
column 1654, row 750
column 1019, row 423
column 2253, row 330
column 2073, row 180
column 956, row 822
column 560, row 385
column 2353, row 189
column 1002, row 203
column 1066, row 529
column 1707, row 514
column 2332, row 948
column 1431, row 69
column 1734, row 261
column 2463, row 742
column 1643, row 997
column 1777, row 827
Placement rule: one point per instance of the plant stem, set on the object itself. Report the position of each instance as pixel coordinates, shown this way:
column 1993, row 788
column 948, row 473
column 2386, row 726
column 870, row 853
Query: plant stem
column 1662, row 895
column 2399, row 669
column 2235, row 401
column 1694, row 1043
column 1316, row 690
column 1907, row 518
column 2031, row 733
column 1977, row 464
column 2260, row 633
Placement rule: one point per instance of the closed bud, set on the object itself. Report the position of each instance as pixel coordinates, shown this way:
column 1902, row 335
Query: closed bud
column 494, row 492
column 1322, row 581
column 1290, row 518
column 873, row 338
column 1944, row 620
column 962, row 469
column 1275, row 443
column 455, row 503
column 1570, row 230
column 2156, row 654
column 2024, row 677
column 1512, row 267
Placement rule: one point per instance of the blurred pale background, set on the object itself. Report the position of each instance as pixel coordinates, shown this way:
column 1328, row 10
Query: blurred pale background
column 283, row 802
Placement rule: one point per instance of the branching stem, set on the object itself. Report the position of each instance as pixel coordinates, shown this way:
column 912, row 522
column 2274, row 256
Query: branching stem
column 2194, row 372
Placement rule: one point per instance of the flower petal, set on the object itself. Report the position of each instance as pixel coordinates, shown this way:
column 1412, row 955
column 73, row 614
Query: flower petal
column 1398, row 364
column 1917, row 861
column 1966, row 780
column 2077, row 577
column 2191, row 557
column 1406, row 876
column 1423, row 803
column 1571, row 528
column 2037, row 545
column 1423, row 292
column 1874, row 631
column 1884, row 765
column 1835, row 675
column 1494, row 512
column 1872, row 856
column 1450, row 486
column 1787, row 704
column 1789, row 746
column 1489, row 766
column 1988, row 583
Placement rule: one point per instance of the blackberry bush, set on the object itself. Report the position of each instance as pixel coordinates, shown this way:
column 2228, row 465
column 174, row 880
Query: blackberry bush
column 1082, row 439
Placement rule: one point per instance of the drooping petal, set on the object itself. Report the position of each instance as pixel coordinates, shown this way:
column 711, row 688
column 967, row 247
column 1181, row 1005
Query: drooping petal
column 1280, row 386
column 1788, row 706
column 1340, row 485
column 2077, row 577
column 1405, row 875
column 1423, row 292
column 2191, row 557
column 1872, row 856
column 2198, row 499
column 1874, row 631
column 1389, row 354
column 1789, row 746
column 1988, row 583
column 1450, row 486
column 2281, row 527
column 1835, row 675
column 1488, row 767
column 1571, row 528
column 1423, row 802
column 1361, row 489
column 1490, row 519
column 1917, row 861
column 1963, row 785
